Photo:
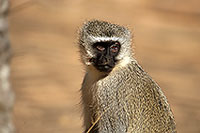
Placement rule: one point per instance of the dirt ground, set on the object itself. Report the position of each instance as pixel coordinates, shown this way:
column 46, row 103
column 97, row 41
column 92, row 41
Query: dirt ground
column 47, row 74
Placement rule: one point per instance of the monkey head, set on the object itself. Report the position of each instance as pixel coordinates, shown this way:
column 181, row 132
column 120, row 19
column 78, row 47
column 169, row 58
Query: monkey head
column 103, row 44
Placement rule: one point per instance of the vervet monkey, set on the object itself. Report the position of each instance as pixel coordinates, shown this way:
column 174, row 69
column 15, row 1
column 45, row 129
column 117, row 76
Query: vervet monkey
column 118, row 96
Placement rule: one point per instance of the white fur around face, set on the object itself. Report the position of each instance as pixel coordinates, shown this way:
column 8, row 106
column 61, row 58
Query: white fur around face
column 124, row 61
column 103, row 39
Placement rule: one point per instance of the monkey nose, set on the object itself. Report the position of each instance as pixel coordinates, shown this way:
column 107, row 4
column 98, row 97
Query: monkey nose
column 105, row 61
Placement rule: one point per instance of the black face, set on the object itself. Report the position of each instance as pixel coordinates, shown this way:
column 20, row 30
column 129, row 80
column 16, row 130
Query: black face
column 106, row 53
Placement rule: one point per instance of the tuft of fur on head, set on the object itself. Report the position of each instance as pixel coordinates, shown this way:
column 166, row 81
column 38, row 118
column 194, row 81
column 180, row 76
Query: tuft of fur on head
column 99, row 31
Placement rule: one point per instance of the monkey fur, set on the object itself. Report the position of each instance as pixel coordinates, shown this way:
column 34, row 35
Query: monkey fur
column 125, row 99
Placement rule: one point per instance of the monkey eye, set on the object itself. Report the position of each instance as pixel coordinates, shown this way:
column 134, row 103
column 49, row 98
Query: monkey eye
column 115, row 47
column 100, row 48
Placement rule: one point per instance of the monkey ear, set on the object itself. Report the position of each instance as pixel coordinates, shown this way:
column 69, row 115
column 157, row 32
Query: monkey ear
column 88, row 62
column 85, row 59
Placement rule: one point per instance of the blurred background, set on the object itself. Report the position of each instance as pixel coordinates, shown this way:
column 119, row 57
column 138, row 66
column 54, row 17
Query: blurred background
column 46, row 73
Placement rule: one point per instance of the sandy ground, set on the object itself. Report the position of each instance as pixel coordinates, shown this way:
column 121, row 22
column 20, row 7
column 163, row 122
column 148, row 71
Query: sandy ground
column 47, row 74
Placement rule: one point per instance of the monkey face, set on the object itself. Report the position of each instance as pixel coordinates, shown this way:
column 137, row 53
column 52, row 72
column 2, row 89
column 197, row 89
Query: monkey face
column 106, row 53
column 104, row 45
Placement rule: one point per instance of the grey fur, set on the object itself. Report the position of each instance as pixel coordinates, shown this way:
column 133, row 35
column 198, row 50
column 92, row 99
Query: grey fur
column 126, row 100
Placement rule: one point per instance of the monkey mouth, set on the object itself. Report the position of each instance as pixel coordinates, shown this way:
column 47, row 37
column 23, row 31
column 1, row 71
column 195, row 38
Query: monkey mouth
column 104, row 68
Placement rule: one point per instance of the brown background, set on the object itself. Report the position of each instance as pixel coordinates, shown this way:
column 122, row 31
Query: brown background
column 47, row 74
